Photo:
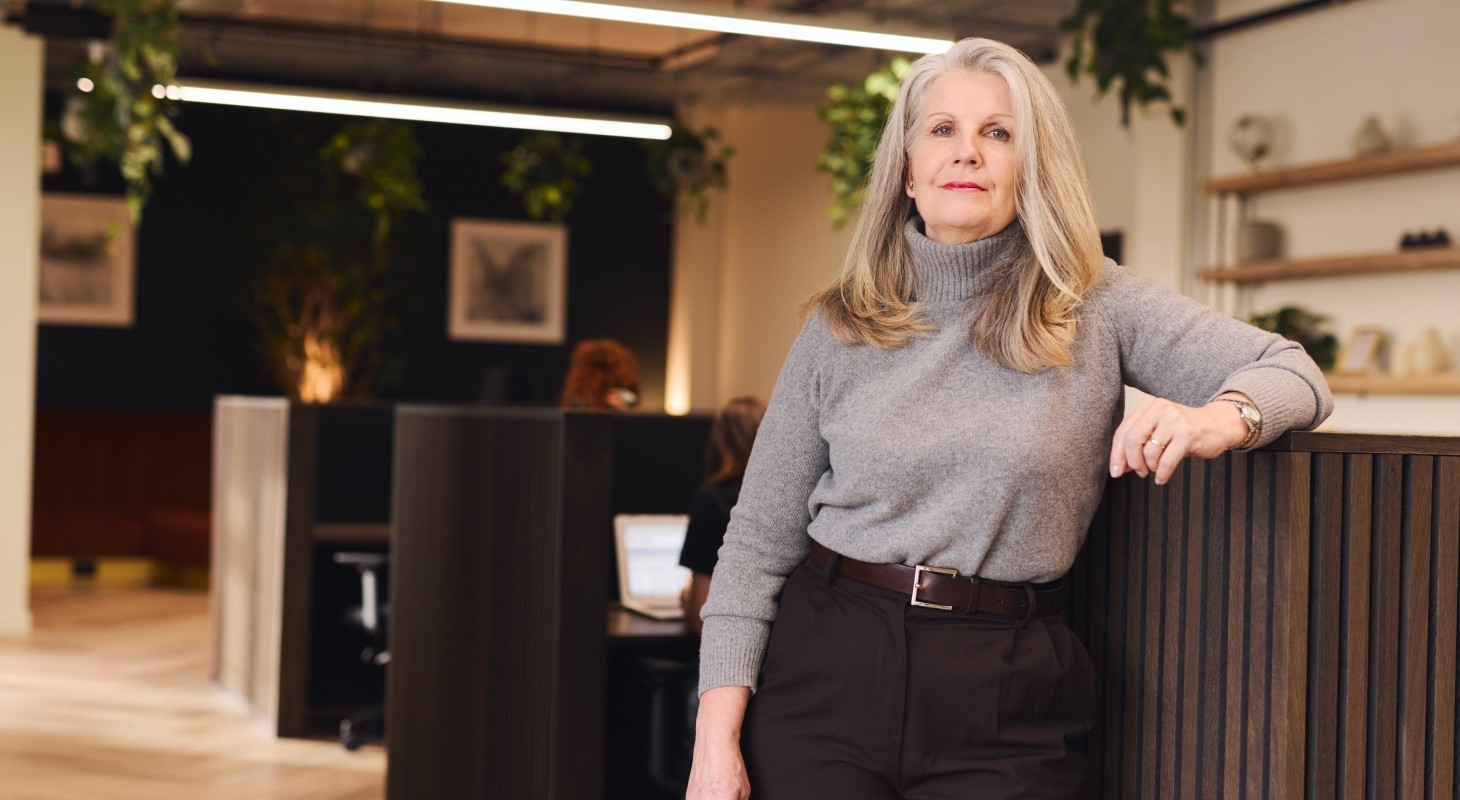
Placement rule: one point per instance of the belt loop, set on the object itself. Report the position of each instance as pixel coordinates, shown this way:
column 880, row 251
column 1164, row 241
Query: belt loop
column 828, row 572
column 973, row 590
column 1033, row 604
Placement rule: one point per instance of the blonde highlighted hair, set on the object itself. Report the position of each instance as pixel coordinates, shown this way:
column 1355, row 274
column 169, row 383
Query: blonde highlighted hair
column 1028, row 320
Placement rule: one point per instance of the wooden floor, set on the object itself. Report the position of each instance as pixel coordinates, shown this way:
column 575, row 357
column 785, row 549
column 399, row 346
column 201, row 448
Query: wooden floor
column 109, row 698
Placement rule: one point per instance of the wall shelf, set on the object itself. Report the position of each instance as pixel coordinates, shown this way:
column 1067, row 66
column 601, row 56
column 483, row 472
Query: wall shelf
column 1444, row 384
column 1392, row 163
column 1371, row 264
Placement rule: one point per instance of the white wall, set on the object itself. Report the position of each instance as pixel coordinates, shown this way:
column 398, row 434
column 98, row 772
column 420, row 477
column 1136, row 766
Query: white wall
column 1320, row 74
column 768, row 244
column 20, row 126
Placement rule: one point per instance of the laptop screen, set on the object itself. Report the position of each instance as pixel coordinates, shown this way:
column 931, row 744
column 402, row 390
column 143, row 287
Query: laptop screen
column 648, row 549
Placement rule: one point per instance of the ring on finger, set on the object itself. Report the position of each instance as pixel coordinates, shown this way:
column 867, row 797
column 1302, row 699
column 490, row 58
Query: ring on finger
column 1160, row 445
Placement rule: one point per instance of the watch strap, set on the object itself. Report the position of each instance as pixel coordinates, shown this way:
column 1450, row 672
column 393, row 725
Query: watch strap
column 1254, row 426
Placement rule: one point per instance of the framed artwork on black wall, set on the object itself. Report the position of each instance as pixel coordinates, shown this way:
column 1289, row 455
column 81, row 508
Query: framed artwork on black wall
column 88, row 261
column 508, row 281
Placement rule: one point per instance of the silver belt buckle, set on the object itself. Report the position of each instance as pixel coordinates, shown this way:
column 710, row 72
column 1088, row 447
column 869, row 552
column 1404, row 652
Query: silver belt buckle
column 918, row 584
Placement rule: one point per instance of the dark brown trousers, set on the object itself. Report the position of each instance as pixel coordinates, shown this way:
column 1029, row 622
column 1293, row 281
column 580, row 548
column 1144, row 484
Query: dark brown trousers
column 865, row 697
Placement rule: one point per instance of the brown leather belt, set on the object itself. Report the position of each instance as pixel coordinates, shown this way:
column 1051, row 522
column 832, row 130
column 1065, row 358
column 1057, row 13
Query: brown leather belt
column 943, row 588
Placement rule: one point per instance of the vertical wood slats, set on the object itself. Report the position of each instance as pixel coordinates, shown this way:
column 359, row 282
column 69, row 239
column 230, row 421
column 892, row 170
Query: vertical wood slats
column 498, row 603
column 1277, row 624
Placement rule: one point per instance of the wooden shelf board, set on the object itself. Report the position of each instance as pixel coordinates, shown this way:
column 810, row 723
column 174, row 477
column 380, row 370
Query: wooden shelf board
column 1375, row 263
column 1399, row 161
column 1443, row 383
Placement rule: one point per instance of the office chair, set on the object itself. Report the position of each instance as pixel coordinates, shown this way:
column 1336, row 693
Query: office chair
column 370, row 616
column 674, row 702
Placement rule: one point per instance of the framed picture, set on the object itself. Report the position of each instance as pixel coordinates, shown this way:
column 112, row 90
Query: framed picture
column 508, row 281
column 87, row 261
column 1360, row 353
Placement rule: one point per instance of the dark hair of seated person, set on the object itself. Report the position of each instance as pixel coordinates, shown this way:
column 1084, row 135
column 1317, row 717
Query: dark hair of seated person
column 726, row 454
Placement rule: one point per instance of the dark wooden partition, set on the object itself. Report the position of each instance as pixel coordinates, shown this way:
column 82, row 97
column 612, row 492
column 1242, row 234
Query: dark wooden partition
column 501, row 562
column 1280, row 624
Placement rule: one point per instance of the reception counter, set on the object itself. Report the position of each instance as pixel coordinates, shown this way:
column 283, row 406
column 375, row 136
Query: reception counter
column 1279, row 624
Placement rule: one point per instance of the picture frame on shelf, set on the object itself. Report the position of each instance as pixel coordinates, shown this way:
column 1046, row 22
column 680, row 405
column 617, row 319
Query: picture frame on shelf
column 88, row 261
column 508, row 281
column 1360, row 352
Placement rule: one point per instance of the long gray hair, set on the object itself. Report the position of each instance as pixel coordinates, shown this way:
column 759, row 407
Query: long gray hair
column 1028, row 322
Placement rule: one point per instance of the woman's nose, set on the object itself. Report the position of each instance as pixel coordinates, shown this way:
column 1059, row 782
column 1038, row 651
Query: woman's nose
column 967, row 151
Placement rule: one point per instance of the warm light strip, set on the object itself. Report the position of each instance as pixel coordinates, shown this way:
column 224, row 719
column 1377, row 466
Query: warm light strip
column 744, row 24
column 321, row 103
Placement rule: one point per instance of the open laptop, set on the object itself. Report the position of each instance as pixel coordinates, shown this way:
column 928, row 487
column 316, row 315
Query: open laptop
column 649, row 575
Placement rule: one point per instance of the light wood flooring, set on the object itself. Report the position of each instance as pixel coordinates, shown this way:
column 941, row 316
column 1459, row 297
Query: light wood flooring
column 109, row 699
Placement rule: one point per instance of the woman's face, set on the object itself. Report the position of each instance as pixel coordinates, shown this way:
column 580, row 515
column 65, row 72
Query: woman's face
column 962, row 171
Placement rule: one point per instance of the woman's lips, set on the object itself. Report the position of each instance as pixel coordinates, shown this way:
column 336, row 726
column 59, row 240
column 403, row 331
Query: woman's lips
column 967, row 186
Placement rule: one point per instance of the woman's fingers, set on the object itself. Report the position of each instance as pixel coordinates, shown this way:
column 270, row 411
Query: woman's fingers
column 1155, row 438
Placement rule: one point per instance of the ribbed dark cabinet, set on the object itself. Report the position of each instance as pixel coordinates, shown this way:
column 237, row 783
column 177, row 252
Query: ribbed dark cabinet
column 501, row 563
column 1279, row 624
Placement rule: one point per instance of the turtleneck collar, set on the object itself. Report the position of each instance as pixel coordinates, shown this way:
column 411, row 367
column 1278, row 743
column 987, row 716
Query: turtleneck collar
column 954, row 272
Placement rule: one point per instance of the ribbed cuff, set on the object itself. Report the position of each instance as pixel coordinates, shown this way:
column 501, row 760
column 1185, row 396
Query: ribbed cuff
column 1285, row 400
column 731, row 651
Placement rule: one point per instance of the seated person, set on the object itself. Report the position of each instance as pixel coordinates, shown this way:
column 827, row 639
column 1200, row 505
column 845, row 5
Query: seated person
column 731, row 436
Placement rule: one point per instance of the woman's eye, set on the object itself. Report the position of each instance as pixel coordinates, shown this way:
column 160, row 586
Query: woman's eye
column 943, row 130
column 999, row 133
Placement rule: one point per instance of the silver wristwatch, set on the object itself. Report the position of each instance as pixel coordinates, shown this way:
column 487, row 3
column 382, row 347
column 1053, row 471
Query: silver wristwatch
column 1252, row 417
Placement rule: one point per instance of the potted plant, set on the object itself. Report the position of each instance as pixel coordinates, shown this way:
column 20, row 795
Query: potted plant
column 1303, row 327
column 545, row 168
column 856, row 113
column 119, row 107
column 326, row 288
column 1123, row 45
column 688, row 165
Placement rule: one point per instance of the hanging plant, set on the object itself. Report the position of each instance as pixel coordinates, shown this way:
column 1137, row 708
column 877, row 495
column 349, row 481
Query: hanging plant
column 688, row 165
column 1123, row 45
column 326, row 293
column 117, row 108
column 856, row 113
column 1305, row 328
column 545, row 168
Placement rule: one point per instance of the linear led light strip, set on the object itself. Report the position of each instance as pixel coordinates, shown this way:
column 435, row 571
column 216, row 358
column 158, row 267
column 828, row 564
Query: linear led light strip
column 321, row 103
column 744, row 24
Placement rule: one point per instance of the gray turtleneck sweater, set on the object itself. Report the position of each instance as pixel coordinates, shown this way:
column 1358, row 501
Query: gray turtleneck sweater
column 931, row 453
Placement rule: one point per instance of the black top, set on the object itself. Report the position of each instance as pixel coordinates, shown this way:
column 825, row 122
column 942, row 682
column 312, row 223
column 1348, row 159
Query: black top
column 709, row 516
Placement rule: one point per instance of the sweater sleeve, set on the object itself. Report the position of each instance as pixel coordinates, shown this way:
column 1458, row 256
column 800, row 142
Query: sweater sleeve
column 767, row 537
column 1174, row 347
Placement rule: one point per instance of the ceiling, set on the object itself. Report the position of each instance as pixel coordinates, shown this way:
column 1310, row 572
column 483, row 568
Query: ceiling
column 432, row 49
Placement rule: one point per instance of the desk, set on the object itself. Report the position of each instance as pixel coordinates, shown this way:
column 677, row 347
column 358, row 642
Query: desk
column 627, row 629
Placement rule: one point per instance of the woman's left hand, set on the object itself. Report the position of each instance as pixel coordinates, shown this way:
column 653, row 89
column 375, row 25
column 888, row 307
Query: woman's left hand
column 1159, row 434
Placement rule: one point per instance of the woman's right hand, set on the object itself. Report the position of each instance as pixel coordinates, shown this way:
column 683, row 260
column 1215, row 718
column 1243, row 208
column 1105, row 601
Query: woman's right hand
column 718, row 771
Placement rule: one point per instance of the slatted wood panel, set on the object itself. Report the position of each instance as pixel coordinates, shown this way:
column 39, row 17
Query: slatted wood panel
column 1280, row 624
column 498, row 604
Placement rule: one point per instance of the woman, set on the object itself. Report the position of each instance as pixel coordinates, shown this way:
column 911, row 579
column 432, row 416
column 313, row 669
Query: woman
column 951, row 409
column 602, row 376
column 731, row 436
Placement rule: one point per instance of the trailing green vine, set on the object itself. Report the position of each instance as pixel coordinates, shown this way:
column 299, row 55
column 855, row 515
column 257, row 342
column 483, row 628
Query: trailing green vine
column 546, row 168
column 1123, row 44
column 124, row 114
column 688, row 165
column 856, row 113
